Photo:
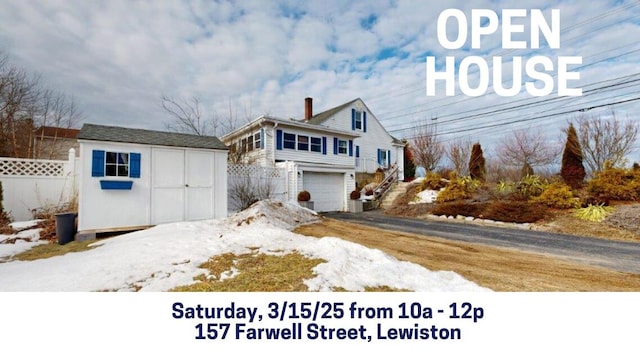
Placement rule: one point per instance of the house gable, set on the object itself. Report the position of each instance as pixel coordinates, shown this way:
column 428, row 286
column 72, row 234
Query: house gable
column 375, row 147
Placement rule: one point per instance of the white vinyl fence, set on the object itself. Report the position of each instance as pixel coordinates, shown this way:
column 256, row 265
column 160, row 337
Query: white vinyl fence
column 32, row 184
column 248, row 183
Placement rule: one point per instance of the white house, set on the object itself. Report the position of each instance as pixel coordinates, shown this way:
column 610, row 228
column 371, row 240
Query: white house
column 132, row 178
column 323, row 153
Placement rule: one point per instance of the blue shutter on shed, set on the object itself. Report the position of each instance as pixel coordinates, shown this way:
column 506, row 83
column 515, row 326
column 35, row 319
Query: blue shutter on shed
column 379, row 156
column 324, row 145
column 262, row 139
column 357, row 151
column 97, row 163
column 279, row 139
column 364, row 121
column 335, row 146
column 134, row 165
column 353, row 119
column 350, row 147
column 388, row 158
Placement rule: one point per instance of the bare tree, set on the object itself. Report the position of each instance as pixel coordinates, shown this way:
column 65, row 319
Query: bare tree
column 605, row 139
column 527, row 148
column 427, row 150
column 458, row 152
column 187, row 116
column 25, row 105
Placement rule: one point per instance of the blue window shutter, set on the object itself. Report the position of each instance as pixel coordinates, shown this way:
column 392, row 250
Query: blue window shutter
column 279, row 139
column 353, row 119
column 379, row 156
column 364, row 121
column 357, row 151
column 350, row 147
column 134, row 165
column 388, row 158
column 262, row 139
column 335, row 146
column 324, row 145
column 97, row 164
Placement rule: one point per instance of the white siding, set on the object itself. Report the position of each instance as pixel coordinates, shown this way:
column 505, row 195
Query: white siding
column 375, row 137
column 103, row 209
column 111, row 209
column 341, row 160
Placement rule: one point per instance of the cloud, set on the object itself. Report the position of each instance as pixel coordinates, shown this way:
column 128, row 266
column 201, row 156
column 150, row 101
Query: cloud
column 117, row 57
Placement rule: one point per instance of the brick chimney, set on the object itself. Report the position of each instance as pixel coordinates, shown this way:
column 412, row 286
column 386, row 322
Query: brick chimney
column 308, row 108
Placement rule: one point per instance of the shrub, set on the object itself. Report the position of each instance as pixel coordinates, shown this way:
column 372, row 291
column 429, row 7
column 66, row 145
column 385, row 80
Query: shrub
column 304, row 195
column 558, row 196
column 455, row 190
column 615, row 184
column 355, row 195
column 528, row 187
column 572, row 170
column 595, row 213
column 459, row 208
column 433, row 181
column 477, row 166
column 515, row 211
column 5, row 219
column 505, row 187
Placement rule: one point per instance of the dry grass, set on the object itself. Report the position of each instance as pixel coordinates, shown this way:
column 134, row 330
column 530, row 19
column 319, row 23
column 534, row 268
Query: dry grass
column 53, row 249
column 494, row 268
column 565, row 222
column 255, row 272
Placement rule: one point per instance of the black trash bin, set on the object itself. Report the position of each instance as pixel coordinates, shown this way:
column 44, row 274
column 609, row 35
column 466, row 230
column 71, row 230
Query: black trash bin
column 65, row 227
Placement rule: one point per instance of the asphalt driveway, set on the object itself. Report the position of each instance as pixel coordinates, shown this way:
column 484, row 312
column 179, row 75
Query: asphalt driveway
column 617, row 255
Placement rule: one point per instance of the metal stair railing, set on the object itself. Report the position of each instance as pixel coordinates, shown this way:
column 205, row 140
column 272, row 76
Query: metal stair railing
column 385, row 185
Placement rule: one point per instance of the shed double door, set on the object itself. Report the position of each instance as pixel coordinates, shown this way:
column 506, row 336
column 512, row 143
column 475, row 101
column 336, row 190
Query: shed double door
column 181, row 185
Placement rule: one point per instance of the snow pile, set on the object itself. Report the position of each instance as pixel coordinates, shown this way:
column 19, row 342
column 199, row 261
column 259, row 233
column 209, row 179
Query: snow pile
column 21, row 241
column 166, row 256
column 286, row 215
column 425, row 197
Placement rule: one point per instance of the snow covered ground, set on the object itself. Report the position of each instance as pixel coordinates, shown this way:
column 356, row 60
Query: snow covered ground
column 165, row 256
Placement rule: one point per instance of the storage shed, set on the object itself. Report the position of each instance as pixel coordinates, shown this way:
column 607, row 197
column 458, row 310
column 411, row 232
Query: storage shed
column 134, row 178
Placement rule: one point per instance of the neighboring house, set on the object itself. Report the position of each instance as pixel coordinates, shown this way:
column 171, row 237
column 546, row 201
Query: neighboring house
column 53, row 143
column 323, row 153
column 132, row 178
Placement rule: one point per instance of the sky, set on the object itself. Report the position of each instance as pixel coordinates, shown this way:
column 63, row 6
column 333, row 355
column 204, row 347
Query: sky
column 251, row 58
column 166, row 256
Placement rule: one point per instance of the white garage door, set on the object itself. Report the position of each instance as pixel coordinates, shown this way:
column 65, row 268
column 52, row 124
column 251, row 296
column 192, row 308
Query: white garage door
column 327, row 190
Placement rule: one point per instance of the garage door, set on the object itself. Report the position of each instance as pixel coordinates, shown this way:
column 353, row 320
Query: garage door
column 327, row 190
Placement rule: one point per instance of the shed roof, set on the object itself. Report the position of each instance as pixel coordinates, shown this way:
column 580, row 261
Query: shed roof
column 148, row 137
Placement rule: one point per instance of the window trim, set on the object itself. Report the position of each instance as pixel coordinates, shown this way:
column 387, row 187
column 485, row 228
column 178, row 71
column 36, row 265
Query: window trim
column 301, row 144
column 126, row 164
column 357, row 120
column 340, row 148
column 292, row 143
column 318, row 145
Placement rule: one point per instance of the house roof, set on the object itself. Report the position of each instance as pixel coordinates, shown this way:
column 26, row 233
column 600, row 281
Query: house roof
column 148, row 137
column 318, row 119
column 57, row 132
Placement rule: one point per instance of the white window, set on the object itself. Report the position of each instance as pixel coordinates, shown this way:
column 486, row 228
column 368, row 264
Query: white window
column 303, row 142
column 316, row 144
column 289, row 141
column 257, row 140
column 116, row 164
column 342, row 147
column 358, row 120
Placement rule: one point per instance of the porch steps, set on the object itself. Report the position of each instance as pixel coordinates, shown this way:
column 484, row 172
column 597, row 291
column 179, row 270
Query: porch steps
column 397, row 189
